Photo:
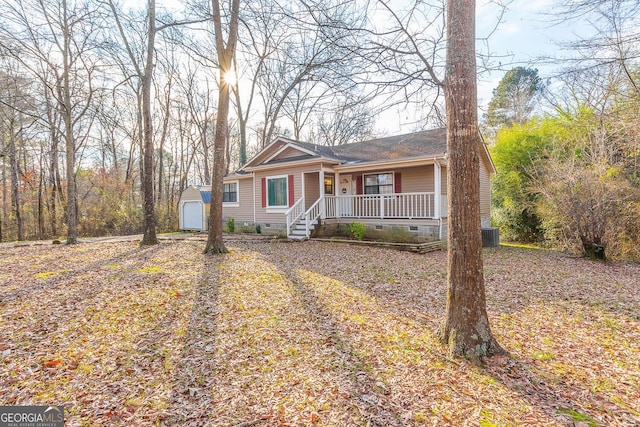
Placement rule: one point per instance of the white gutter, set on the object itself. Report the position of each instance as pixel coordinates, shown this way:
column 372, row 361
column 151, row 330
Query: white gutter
column 290, row 164
column 412, row 161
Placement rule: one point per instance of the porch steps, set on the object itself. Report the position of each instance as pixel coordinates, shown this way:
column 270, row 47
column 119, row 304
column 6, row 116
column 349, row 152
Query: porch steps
column 299, row 232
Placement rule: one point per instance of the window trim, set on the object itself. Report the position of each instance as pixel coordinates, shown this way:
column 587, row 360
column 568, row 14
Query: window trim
column 333, row 185
column 235, row 204
column 277, row 208
column 393, row 183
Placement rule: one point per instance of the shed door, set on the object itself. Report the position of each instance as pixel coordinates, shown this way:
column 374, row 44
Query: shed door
column 192, row 215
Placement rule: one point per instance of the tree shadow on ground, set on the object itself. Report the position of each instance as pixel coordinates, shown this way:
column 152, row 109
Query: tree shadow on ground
column 60, row 278
column 569, row 404
column 367, row 393
column 551, row 385
column 191, row 401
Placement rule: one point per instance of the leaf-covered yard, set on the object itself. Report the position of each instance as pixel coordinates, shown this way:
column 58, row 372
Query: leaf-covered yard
column 311, row 334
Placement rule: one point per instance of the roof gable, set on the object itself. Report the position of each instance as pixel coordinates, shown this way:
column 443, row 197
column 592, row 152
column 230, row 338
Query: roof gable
column 284, row 150
column 266, row 152
column 429, row 143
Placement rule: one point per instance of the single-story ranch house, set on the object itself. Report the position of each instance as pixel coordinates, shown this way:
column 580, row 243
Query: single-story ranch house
column 292, row 187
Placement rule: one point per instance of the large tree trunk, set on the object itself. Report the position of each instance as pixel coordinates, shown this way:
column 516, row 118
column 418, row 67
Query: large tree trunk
column 72, row 192
column 466, row 328
column 215, row 243
column 225, row 61
column 70, row 143
column 149, row 223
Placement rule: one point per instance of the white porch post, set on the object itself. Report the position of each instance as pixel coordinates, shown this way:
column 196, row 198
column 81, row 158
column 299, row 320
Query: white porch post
column 301, row 190
column 437, row 190
column 323, row 211
column 336, row 193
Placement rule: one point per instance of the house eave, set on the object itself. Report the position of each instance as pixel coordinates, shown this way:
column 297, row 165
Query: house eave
column 280, row 165
column 237, row 177
column 373, row 165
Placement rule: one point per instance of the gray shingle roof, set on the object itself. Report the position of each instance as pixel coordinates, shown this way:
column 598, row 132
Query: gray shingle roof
column 417, row 144
column 428, row 143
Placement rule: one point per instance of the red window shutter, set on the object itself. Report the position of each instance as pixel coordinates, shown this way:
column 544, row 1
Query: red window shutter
column 397, row 182
column 291, row 193
column 264, row 192
column 359, row 184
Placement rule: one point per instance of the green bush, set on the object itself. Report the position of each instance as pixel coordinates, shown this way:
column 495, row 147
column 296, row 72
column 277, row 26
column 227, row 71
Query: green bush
column 357, row 229
column 231, row 225
column 258, row 229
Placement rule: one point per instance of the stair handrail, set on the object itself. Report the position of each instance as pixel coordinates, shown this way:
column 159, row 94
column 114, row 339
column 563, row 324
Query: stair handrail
column 294, row 213
column 313, row 213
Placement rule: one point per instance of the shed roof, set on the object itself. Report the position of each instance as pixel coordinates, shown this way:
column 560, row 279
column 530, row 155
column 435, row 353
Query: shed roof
column 206, row 196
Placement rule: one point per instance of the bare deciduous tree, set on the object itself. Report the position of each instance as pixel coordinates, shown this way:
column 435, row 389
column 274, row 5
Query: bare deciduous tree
column 53, row 42
column 225, row 51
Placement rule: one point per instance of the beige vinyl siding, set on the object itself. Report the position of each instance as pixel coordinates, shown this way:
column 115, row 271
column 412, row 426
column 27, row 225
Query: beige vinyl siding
column 262, row 216
column 290, row 152
column 443, row 179
column 311, row 188
column 416, row 179
column 244, row 212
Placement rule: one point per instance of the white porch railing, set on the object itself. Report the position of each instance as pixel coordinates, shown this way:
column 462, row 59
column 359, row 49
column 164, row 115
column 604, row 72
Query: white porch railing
column 293, row 214
column 312, row 214
column 297, row 215
column 397, row 205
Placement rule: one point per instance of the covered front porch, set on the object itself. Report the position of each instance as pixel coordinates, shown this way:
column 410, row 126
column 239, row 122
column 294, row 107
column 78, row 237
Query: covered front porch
column 328, row 195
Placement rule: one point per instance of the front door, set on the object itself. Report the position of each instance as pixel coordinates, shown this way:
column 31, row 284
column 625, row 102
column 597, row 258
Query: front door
column 345, row 190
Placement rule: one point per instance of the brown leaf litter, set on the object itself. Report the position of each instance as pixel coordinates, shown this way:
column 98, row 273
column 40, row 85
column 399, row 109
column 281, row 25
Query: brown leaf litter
column 311, row 334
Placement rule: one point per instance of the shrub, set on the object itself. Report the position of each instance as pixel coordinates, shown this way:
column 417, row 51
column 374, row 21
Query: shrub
column 258, row 229
column 231, row 225
column 357, row 229
column 586, row 207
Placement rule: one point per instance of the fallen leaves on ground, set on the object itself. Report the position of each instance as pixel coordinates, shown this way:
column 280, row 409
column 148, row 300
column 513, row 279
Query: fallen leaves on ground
column 311, row 334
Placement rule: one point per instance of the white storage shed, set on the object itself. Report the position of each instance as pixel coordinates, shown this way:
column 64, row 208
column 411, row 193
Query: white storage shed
column 195, row 202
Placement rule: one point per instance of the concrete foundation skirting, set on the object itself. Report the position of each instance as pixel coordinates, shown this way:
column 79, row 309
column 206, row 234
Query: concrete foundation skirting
column 411, row 247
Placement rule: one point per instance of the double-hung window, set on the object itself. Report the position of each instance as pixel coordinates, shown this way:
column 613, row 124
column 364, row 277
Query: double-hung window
column 328, row 184
column 378, row 183
column 277, row 192
column 230, row 192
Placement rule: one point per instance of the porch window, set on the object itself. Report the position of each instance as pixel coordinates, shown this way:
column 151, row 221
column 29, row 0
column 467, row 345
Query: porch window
column 378, row 183
column 328, row 184
column 277, row 192
column 230, row 192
